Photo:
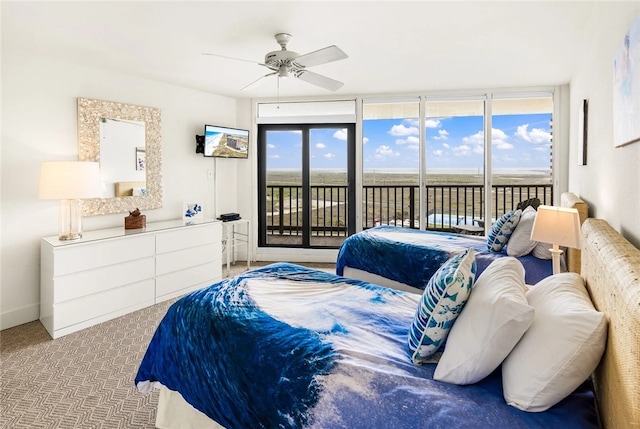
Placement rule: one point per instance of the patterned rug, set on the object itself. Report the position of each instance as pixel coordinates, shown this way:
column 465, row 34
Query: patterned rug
column 81, row 380
column 84, row 379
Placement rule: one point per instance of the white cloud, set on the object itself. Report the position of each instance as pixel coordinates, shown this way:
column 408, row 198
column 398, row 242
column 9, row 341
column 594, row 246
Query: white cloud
column 437, row 152
column 271, row 146
column 445, row 145
column 535, row 136
column 275, row 156
column 365, row 140
column 341, row 134
column 412, row 140
column 402, row 130
column 499, row 139
column 329, row 155
column 385, row 151
column 474, row 139
column 320, row 145
column 413, row 147
column 442, row 135
column 432, row 123
column 462, row 150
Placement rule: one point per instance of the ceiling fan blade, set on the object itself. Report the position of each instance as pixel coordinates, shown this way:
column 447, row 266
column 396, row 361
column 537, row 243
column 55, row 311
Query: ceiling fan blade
column 321, row 56
column 319, row 80
column 256, row 83
column 234, row 58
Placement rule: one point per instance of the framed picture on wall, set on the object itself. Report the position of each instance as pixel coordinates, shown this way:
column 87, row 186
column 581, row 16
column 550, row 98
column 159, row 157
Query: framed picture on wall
column 140, row 158
column 626, row 88
column 583, row 131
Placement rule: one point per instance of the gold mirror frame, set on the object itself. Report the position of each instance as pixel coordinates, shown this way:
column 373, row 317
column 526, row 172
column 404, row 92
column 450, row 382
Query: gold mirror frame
column 90, row 112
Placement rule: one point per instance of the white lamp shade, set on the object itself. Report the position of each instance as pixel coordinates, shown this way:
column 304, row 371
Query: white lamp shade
column 65, row 180
column 557, row 225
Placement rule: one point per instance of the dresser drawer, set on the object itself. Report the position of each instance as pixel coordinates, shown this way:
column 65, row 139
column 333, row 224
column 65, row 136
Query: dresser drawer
column 85, row 283
column 187, row 237
column 181, row 259
column 94, row 306
column 87, row 256
column 201, row 275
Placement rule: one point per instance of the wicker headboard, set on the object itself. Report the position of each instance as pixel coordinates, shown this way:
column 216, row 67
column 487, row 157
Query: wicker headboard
column 571, row 200
column 611, row 268
column 125, row 189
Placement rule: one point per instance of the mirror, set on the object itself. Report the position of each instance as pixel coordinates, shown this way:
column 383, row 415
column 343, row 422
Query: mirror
column 125, row 140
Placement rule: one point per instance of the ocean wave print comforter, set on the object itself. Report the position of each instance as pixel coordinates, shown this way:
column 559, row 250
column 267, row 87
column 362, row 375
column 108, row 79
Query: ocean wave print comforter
column 412, row 256
column 290, row 347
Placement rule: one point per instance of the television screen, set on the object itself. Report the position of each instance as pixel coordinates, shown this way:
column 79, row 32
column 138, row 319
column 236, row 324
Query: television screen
column 226, row 142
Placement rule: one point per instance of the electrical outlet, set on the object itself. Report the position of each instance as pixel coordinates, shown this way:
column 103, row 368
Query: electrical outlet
column 210, row 174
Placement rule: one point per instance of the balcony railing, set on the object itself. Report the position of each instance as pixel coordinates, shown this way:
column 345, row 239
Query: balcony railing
column 446, row 206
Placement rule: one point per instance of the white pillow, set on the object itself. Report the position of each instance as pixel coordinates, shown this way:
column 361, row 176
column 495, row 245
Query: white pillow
column 541, row 251
column 520, row 243
column 490, row 325
column 561, row 348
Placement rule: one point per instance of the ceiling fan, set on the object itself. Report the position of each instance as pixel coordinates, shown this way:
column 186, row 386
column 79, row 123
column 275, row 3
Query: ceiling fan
column 284, row 63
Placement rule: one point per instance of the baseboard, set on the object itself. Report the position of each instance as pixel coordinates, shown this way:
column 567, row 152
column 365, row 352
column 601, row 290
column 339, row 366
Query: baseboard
column 20, row 316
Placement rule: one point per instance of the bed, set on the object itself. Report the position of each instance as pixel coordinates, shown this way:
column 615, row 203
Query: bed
column 350, row 365
column 374, row 255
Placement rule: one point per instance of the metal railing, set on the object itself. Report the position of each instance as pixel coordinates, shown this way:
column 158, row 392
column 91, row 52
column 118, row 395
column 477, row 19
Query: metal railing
column 446, row 206
column 329, row 210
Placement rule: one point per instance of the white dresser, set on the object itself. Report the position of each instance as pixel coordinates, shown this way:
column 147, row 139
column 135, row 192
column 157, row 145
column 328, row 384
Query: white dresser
column 112, row 272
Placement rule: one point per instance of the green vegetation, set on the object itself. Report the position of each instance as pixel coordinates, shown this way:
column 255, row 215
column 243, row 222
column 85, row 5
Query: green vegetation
column 394, row 197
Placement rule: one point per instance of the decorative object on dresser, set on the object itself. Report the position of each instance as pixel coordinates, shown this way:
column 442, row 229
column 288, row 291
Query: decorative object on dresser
column 135, row 220
column 192, row 212
column 69, row 182
column 109, row 273
column 559, row 226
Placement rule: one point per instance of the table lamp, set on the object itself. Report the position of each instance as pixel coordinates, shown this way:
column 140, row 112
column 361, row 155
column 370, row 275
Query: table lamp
column 558, row 226
column 69, row 181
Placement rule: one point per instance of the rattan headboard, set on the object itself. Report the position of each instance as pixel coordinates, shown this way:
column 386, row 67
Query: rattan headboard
column 125, row 189
column 611, row 268
column 571, row 200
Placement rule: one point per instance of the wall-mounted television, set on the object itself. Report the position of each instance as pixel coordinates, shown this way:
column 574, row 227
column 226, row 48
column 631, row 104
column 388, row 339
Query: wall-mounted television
column 225, row 142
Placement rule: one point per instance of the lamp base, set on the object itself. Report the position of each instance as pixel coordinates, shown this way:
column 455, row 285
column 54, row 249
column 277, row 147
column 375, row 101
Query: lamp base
column 70, row 220
column 70, row 236
column 556, row 253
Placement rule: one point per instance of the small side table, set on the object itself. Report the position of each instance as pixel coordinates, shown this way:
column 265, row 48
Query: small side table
column 237, row 233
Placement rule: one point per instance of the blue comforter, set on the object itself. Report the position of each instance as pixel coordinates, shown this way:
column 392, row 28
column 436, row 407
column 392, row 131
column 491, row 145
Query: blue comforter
column 290, row 347
column 412, row 256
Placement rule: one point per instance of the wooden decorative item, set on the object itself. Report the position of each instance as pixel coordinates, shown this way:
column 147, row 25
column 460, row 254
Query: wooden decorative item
column 135, row 220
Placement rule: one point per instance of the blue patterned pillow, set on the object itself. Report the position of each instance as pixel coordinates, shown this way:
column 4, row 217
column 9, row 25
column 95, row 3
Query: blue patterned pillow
column 442, row 301
column 501, row 230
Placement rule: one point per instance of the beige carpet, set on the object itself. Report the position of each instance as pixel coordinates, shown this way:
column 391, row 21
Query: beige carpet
column 84, row 379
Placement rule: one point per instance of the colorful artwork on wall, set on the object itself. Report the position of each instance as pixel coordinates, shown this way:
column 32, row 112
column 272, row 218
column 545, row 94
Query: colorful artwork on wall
column 626, row 88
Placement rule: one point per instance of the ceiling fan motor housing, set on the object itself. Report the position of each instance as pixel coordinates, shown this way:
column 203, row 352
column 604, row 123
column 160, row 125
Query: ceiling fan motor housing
column 277, row 58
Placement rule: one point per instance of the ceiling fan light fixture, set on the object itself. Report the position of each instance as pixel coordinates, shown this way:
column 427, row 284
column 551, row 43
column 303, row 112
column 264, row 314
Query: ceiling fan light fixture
column 283, row 71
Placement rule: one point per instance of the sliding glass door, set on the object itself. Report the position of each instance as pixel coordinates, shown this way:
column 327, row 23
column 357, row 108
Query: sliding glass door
column 306, row 184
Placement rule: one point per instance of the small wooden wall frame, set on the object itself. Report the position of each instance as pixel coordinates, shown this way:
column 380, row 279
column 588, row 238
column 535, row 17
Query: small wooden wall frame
column 583, row 131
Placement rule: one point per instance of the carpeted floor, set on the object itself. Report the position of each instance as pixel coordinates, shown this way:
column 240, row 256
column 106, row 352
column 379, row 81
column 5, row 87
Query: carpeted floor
column 84, row 379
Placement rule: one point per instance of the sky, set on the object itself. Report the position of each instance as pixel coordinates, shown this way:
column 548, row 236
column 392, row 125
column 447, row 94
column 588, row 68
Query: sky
column 519, row 141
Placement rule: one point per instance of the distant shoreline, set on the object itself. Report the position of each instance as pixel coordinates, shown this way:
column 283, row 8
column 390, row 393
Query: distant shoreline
column 435, row 171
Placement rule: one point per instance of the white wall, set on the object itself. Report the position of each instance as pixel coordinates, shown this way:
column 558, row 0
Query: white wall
column 610, row 182
column 39, row 124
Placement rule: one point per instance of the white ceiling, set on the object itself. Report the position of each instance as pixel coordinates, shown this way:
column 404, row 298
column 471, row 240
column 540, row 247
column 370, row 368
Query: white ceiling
column 394, row 47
